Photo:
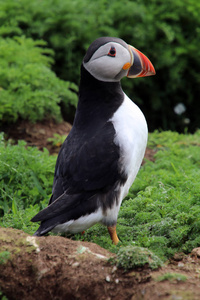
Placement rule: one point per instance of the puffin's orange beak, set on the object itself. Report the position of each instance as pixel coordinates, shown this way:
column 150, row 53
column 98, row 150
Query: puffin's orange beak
column 140, row 65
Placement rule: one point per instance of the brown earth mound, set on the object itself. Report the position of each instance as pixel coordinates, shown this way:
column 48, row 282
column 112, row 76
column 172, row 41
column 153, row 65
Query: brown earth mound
column 58, row 268
column 37, row 134
column 40, row 133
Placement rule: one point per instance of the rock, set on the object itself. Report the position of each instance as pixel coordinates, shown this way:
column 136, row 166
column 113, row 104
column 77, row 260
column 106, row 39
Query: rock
column 196, row 252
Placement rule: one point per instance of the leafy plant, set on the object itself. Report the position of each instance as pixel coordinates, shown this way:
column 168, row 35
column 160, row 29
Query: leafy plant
column 130, row 257
column 26, row 176
column 168, row 32
column 2, row 296
column 57, row 139
column 28, row 87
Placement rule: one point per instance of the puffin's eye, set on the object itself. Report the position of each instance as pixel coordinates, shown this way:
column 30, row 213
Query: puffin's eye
column 112, row 52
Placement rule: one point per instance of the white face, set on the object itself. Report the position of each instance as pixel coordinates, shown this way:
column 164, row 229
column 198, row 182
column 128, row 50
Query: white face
column 107, row 63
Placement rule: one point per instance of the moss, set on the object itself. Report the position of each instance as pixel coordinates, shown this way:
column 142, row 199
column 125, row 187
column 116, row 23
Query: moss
column 131, row 257
column 4, row 256
column 186, row 295
column 15, row 242
column 172, row 277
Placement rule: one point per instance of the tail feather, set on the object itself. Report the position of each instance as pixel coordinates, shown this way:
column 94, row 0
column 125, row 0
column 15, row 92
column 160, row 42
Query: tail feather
column 43, row 229
column 64, row 209
column 53, row 209
column 37, row 233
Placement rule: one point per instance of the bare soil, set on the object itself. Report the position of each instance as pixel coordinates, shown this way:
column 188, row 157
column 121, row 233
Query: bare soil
column 37, row 134
column 58, row 268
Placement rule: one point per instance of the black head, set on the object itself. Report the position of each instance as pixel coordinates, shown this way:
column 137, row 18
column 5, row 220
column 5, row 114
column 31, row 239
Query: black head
column 106, row 57
column 109, row 59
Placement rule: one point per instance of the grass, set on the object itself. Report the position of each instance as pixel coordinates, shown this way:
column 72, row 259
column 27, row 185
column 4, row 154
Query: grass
column 172, row 277
column 161, row 211
column 26, row 178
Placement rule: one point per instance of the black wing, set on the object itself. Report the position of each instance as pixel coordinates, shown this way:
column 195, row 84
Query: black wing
column 86, row 167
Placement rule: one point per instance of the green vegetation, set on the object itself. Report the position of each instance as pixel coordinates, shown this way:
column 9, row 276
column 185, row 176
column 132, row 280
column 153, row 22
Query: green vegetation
column 172, row 277
column 28, row 87
column 2, row 296
column 4, row 256
column 42, row 44
column 26, row 178
column 161, row 211
column 130, row 257
column 57, row 140
column 167, row 32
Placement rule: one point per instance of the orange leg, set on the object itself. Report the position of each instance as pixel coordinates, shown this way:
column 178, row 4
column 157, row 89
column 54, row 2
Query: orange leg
column 113, row 234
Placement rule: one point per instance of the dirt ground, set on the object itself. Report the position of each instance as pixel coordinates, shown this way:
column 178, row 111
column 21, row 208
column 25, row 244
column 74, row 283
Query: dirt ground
column 58, row 268
column 37, row 134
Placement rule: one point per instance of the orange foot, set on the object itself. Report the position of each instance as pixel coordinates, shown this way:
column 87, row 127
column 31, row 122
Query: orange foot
column 113, row 234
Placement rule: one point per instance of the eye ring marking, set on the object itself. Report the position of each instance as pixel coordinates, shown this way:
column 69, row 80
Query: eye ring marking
column 112, row 52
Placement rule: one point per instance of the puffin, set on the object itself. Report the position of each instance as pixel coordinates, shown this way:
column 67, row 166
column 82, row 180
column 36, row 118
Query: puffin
column 102, row 154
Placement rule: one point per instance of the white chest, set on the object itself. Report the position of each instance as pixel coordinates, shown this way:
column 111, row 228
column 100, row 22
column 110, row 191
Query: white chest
column 131, row 136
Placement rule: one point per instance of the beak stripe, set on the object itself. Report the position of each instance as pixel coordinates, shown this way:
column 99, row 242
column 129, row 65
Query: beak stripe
column 140, row 66
column 148, row 68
